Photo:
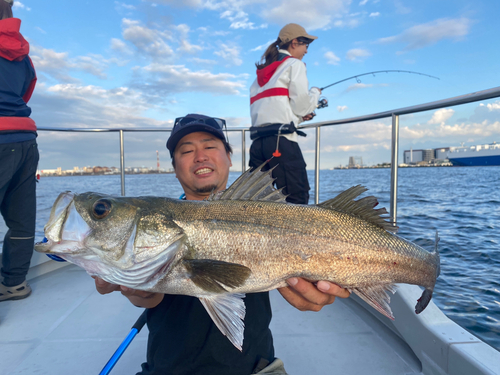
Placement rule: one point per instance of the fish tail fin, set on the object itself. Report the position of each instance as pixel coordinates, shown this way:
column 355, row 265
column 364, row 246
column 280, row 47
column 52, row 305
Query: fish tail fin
column 423, row 301
column 426, row 296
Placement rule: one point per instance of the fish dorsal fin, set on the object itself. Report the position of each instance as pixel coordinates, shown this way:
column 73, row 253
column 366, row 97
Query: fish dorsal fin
column 363, row 208
column 253, row 185
column 227, row 312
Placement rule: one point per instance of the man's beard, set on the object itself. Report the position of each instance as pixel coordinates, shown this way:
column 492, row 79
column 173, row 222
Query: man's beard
column 206, row 189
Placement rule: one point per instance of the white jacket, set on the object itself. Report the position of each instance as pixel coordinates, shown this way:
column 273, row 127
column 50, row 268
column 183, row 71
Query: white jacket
column 280, row 94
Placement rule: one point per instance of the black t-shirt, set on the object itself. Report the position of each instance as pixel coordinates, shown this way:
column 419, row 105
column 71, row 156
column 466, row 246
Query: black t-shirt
column 183, row 340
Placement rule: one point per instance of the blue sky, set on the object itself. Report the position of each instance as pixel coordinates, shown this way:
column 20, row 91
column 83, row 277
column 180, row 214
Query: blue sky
column 108, row 64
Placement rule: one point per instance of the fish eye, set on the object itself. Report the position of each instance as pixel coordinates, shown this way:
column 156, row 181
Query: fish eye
column 101, row 208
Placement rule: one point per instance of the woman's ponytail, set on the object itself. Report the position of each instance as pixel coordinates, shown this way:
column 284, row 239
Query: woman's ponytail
column 270, row 56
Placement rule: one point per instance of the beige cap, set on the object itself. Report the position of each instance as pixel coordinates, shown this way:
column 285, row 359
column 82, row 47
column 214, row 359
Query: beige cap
column 291, row 31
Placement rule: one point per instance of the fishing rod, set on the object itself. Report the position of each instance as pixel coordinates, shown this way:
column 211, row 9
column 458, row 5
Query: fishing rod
column 374, row 72
column 322, row 103
column 136, row 328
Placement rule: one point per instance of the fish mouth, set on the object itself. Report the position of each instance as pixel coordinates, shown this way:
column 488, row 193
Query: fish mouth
column 43, row 246
column 65, row 229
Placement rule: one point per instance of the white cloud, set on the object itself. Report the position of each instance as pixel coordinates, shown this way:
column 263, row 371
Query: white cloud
column 165, row 80
column 229, row 53
column 492, row 106
column 203, row 61
column 358, row 86
column 240, row 20
column 430, row 33
column 183, row 31
column 311, row 15
column 341, row 108
column 357, row 54
column 456, row 132
column 120, row 46
column 347, row 23
column 120, row 6
column 332, row 58
column 149, row 41
column 74, row 105
column 363, row 2
column 441, row 115
column 51, row 62
column 58, row 64
column 374, row 14
column 19, row 5
column 263, row 47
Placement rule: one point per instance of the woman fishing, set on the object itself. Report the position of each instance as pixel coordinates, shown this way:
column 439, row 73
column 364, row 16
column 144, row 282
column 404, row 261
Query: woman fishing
column 280, row 100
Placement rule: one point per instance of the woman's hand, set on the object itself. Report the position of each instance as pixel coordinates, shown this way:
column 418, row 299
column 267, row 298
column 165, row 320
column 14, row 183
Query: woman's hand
column 308, row 117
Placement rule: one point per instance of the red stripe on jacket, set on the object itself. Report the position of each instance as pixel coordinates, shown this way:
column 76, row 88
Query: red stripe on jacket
column 17, row 123
column 31, row 87
column 276, row 91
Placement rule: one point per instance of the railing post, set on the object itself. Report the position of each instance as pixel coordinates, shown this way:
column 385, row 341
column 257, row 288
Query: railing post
column 394, row 167
column 122, row 162
column 316, row 167
column 243, row 151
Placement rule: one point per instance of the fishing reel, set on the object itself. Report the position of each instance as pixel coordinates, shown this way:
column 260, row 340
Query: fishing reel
column 322, row 103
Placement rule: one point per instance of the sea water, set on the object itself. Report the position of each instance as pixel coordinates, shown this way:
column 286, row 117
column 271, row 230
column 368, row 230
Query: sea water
column 462, row 204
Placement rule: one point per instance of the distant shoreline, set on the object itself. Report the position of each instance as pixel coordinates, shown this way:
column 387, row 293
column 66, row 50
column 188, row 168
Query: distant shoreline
column 100, row 174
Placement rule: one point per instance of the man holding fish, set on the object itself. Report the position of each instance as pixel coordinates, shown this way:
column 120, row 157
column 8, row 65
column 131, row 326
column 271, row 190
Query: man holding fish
column 183, row 339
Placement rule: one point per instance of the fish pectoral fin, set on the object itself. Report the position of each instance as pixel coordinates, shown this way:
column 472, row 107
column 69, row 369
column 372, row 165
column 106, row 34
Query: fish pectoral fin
column 216, row 276
column 227, row 312
column 376, row 296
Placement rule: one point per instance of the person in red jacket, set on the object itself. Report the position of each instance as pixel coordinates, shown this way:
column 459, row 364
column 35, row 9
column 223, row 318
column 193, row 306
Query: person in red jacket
column 18, row 156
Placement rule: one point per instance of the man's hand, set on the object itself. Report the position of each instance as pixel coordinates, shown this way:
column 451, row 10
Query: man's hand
column 306, row 296
column 138, row 298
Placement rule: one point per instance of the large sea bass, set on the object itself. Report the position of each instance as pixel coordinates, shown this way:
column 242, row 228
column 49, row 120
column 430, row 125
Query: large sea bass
column 244, row 240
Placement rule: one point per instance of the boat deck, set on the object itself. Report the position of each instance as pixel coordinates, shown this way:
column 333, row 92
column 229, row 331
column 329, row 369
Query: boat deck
column 66, row 327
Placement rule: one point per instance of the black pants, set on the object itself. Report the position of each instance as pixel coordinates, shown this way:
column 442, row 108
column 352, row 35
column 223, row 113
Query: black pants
column 18, row 163
column 290, row 172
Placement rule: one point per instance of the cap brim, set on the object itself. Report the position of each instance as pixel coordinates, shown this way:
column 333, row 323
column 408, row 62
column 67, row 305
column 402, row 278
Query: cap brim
column 181, row 133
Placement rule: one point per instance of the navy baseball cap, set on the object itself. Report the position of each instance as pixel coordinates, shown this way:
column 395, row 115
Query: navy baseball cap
column 195, row 123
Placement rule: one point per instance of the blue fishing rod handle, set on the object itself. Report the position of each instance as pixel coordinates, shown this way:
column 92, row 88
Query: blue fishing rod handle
column 118, row 353
column 52, row 256
column 136, row 328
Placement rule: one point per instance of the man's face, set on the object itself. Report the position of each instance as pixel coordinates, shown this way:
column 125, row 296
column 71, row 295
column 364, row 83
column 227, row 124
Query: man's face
column 201, row 165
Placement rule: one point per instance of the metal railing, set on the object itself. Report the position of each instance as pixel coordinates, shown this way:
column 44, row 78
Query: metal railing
column 394, row 114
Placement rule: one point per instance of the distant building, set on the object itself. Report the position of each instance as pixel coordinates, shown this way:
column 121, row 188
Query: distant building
column 355, row 162
column 433, row 155
column 416, row 156
column 442, row 153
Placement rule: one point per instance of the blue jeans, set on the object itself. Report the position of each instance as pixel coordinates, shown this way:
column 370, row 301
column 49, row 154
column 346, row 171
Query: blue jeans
column 18, row 164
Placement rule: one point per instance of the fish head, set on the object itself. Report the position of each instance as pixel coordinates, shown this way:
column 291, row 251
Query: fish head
column 122, row 240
